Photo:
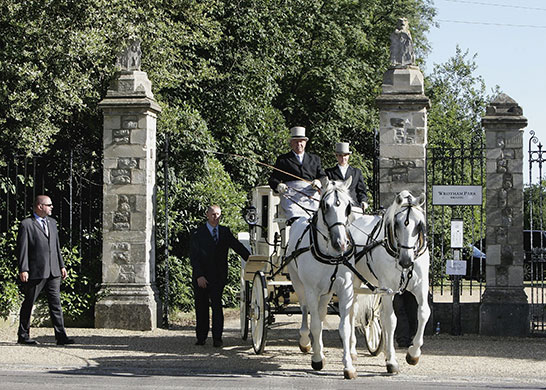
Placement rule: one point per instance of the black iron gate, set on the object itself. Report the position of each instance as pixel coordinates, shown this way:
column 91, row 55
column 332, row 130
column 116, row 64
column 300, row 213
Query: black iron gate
column 456, row 167
column 73, row 181
column 534, row 237
column 76, row 194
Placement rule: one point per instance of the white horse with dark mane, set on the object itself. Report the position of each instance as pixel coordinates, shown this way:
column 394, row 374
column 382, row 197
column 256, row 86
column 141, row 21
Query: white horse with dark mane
column 317, row 254
column 392, row 257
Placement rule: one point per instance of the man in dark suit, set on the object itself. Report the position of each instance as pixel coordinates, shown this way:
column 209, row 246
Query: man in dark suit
column 291, row 167
column 343, row 170
column 209, row 260
column 40, row 266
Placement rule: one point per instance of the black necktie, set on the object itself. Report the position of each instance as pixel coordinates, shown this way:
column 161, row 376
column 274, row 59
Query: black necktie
column 215, row 235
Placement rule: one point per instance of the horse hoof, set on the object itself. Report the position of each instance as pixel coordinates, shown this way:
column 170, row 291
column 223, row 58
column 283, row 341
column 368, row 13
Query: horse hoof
column 349, row 374
column 393, row 368
column 305, row 348
column 412, row 360
column 317, row 366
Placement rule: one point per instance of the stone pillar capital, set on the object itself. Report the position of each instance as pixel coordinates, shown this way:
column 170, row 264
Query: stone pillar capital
column 405, row 80
column 504, row 114
column 130, row 89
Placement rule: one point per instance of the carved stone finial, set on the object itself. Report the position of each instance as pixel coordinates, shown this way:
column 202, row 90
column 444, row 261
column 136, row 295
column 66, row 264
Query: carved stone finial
column 129, row 59
column 402, row 45
column 504, row 105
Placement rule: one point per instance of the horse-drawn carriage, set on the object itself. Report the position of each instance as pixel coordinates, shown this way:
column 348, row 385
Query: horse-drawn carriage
column 324, row 261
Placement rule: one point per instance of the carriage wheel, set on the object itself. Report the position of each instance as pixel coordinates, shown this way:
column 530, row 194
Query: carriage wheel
column 244, row 305
column 372, row 326
column 258, row 311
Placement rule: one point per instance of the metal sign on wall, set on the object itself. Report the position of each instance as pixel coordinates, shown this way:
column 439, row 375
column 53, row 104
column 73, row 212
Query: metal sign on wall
column 456, row 195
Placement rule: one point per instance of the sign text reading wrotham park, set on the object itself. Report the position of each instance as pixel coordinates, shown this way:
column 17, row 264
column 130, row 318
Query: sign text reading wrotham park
column 456, row 195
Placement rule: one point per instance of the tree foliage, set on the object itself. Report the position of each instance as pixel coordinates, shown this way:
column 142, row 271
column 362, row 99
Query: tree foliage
column 458, row 99
column 231, row 77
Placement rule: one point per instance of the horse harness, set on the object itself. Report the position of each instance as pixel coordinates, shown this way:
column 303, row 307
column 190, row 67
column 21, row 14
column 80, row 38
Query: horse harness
column 321, row 257
column 388, row 242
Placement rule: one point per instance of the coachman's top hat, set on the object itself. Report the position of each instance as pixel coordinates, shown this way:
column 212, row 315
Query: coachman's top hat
column 298, row 132
column 342, row 148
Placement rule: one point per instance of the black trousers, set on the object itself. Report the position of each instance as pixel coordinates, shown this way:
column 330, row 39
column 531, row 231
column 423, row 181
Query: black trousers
column 405, row 308
column 205, row 297
column 31, row 291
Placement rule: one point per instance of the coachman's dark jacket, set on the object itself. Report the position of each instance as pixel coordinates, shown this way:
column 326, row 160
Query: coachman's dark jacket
column 309, row 170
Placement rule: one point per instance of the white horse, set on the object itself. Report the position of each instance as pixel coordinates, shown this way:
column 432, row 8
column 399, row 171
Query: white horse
column 316, row 252
column 394, row 257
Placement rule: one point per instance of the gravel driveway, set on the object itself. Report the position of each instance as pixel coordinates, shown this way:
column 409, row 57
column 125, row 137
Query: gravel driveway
column 469, row 358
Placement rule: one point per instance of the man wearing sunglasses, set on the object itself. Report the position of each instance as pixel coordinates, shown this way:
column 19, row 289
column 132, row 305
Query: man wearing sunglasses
column 41, row 267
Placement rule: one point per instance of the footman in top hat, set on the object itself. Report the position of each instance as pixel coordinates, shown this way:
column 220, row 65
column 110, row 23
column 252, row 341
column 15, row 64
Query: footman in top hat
column 343, row 170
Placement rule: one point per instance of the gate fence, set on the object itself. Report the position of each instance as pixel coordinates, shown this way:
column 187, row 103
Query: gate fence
column 534, row 238
column 73, row 181
column 464, row 165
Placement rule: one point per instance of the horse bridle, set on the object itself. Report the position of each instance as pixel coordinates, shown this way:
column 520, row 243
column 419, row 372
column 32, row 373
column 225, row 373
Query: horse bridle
column 390, row 233
column 322, row 257
column 322, row 206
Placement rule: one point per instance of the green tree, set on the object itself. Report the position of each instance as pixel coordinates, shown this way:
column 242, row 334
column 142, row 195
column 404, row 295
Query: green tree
column 231, row 78
column 458, row 99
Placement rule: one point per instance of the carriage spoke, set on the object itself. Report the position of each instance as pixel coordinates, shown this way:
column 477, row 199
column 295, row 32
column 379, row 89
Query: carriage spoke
column 258, row 312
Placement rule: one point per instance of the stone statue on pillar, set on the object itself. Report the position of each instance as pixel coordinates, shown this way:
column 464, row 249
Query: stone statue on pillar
column 402, row 45
column 129, row 59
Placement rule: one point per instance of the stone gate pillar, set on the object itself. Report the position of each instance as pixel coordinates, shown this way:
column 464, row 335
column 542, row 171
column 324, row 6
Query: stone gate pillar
column 504, row 310
column 403, row 122
column 128, row 295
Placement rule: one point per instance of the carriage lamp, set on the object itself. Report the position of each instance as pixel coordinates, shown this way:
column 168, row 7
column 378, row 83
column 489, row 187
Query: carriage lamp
column 250, row 216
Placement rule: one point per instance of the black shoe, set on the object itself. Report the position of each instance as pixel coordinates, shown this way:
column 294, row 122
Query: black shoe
column 24, row 341
column 217, row 343
column 65, row 341
column 200, row 342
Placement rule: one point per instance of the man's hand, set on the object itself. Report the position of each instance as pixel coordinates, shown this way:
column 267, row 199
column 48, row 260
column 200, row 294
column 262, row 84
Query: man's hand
column 24, row 277
column 316, row 184
column 202, row 282
column 364, row 206
column 64, row 274
column 282, row 188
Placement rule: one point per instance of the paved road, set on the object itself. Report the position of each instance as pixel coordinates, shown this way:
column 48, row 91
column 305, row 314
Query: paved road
column 165, row 359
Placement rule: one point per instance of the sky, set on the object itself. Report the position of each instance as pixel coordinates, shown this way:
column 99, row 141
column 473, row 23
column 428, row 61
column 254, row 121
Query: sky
column 508, row 38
